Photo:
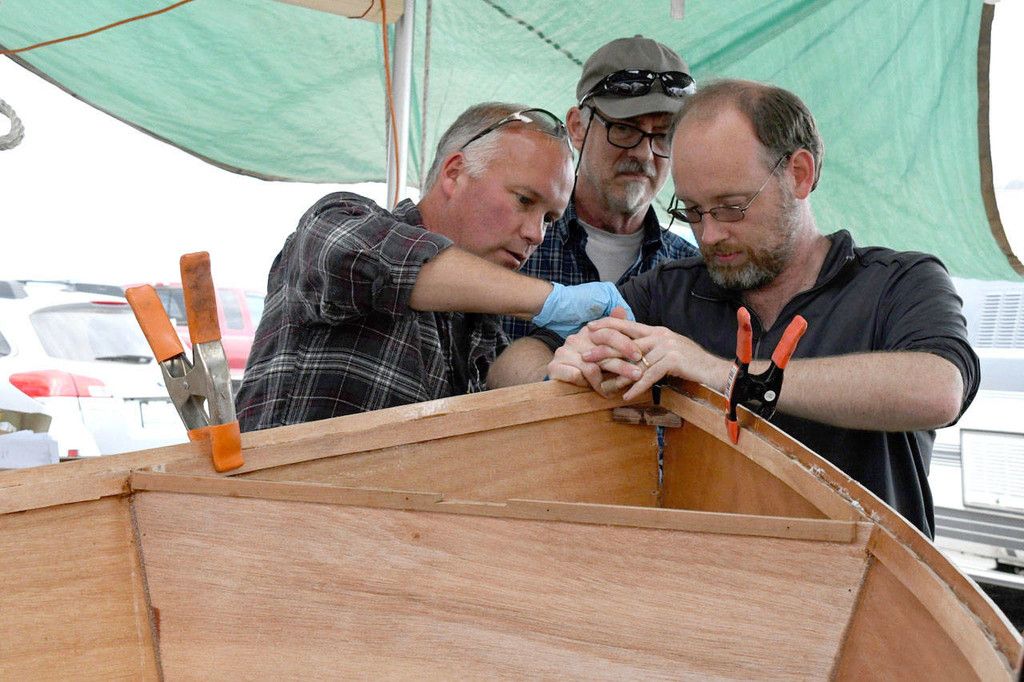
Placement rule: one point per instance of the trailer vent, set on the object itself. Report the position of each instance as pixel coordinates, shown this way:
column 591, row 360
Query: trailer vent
column 1002, row 321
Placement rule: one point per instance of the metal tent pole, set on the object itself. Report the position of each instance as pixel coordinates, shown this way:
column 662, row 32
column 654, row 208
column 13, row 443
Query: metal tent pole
column 402, row 84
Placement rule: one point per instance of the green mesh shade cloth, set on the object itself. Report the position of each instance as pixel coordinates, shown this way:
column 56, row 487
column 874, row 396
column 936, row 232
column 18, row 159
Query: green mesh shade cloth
column 285, row 92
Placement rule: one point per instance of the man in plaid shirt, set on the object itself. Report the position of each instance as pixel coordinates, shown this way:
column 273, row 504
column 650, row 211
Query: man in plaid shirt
column 361, row 309
column 626, row 96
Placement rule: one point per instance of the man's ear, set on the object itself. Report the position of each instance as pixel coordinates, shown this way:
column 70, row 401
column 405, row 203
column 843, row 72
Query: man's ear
column 576, row 126
column 802, row 167
column 452, row 170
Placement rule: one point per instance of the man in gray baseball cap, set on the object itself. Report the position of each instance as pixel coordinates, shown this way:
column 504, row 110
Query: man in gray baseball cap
column 625, row 97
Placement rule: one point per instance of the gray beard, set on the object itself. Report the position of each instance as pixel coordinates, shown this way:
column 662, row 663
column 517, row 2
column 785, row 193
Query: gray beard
column 762, row 267
column 631, row 200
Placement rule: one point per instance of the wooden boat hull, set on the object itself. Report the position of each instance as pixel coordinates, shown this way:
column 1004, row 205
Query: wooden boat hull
column 514, row 533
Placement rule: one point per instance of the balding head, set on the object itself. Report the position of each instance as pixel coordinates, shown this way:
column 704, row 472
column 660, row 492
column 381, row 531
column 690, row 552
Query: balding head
column 781, row 121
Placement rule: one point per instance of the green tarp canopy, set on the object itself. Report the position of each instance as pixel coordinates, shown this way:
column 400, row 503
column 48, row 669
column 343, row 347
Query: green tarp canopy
column 286, row 92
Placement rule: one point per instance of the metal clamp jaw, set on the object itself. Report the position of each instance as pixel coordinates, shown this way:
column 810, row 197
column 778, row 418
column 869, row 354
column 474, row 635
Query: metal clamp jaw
column 759, row 393
column 200, row 388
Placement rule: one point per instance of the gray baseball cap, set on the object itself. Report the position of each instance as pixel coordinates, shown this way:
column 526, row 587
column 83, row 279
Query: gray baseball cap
column 631, row 53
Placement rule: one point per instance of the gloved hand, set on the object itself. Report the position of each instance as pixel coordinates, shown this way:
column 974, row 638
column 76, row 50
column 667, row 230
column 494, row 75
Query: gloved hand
column 567, row 309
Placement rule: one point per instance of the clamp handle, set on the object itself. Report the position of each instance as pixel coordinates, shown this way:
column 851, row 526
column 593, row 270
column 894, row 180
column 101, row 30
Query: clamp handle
column 200, row 298
column 156, row 326
column 787, row 344
column 744, row 337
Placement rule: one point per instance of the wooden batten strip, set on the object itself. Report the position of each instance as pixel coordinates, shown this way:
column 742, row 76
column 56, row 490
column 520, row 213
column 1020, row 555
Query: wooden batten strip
column 411, row 424
column 822, row 530
column 287, row 491
column 935, row 593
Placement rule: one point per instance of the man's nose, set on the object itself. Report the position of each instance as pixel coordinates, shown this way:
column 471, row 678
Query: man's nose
column 643, row 151
column 711, row 231
column 533, row 230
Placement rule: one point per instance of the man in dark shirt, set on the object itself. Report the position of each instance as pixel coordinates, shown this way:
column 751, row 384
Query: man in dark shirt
column 626, row 95
column 361, row 305
column 885, row 359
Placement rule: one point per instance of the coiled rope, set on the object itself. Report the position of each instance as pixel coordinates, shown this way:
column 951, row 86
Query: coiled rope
column 17, row 131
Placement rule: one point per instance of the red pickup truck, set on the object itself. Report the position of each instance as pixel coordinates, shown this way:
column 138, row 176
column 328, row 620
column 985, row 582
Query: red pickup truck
column 238, row 311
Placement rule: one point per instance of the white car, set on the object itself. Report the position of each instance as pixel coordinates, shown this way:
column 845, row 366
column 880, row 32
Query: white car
column 84, row 358
column 24, row 440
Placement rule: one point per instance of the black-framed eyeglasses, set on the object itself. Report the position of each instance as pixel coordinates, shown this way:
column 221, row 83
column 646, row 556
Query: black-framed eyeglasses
column 723, row 214
column 535, row 119
column 627, row 136
column 637, row 82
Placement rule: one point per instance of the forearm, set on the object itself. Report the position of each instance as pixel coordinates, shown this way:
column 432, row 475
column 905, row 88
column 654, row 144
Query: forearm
column 524, row 362
column 457, row 280
column 881, row 391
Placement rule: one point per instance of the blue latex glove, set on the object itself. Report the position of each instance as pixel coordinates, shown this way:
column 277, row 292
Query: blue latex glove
column 567, row 309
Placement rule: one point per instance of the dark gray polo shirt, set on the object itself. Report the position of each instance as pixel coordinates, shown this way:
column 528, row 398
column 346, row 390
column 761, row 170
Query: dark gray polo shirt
column 865, row 299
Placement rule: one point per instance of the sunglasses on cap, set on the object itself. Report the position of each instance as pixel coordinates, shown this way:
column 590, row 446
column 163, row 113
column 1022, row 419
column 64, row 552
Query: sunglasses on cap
column 533, row 119
column 637, row 82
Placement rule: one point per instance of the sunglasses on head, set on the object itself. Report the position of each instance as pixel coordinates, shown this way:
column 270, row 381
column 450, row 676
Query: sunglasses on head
column 541, row 120
column 637, row 82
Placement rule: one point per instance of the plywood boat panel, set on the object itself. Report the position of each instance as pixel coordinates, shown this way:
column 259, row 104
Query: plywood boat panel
column 702, row 472
column 923, row 596
column 340, row 591
column 70, row 577
column 761, row 447
column 892, row 638
column 700, row 405
column 581, row 458
column 493, row 580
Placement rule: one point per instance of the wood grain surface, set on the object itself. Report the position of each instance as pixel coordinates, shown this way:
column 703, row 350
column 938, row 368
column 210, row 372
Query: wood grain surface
column 72, row 601
column 580, row 458
column 255, row 587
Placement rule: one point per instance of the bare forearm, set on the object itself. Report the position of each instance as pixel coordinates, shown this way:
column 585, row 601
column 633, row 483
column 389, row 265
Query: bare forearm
column 457, row 280
column 524, row 362
column 878, row 391
column 884, row 391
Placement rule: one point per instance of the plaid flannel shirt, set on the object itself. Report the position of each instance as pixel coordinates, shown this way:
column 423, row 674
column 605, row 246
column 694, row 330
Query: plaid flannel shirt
column 562, row 257
column 337, row 335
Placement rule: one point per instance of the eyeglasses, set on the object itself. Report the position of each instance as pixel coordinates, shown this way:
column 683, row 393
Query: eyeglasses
column 637, row 82
column 535, row 119
column 626, row 136
column 723, row 214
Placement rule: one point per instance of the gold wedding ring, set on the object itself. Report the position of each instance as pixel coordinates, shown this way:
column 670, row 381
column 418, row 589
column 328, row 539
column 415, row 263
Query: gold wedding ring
column 643, row 360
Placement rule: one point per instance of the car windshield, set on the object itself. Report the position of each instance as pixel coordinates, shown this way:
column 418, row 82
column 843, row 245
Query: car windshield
column 91, row 331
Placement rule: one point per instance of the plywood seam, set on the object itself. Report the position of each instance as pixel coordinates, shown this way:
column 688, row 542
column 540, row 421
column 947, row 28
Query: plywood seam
column 869, row 561
column 150, row 617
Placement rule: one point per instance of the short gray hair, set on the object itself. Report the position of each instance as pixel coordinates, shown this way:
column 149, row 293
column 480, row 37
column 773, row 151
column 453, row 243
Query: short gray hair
column 470, row 123
column 782, row 122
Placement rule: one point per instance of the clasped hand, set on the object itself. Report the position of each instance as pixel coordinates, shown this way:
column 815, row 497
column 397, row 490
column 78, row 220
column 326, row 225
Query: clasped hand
column 615, row 354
